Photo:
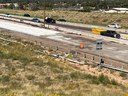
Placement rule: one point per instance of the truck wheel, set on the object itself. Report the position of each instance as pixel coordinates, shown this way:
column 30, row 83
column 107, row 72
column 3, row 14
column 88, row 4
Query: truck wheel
column 115, row 35
column 118, row 36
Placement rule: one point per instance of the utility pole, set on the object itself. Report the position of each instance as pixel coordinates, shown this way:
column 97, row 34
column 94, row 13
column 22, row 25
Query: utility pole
column 44, row 11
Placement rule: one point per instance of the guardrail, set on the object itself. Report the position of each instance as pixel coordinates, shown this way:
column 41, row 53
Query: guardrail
column 94, row 60
column 117, row 69
column 108, row 62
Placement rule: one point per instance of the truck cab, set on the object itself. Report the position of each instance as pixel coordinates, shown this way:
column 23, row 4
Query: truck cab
column 111, row 33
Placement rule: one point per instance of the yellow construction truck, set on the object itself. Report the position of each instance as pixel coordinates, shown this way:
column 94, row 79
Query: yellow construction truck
column 108, row 33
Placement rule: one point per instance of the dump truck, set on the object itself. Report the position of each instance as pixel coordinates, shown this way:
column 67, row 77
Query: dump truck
column 109, row 33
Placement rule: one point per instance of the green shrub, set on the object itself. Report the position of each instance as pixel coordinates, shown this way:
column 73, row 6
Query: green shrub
column 122, row 74
column 63, row 77
column 15, row 84
column 113, row 82
column 104, row 79
column 38, row 63
column 75, row 75
column 94, row 81
column 30, row 77
column 5, row 78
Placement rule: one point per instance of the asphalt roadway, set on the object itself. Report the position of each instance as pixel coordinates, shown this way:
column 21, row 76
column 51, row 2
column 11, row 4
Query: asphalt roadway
column 75, row 26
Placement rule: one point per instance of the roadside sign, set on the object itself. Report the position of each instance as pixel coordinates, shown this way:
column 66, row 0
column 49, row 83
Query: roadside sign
column 99, row 44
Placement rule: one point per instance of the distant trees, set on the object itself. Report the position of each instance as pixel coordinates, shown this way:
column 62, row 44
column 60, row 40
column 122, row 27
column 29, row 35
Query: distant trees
column 21, row 6
column 87, row 5
column 11, row 6
column 33, row 6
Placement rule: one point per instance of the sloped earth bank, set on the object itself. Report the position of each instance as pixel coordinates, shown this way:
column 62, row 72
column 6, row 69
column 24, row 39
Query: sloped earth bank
column 27, row 70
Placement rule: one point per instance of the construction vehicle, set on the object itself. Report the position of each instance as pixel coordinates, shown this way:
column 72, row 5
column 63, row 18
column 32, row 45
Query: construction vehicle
column 108, row 33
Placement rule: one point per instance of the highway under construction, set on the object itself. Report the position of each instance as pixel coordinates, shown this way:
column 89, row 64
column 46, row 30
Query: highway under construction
column 67, row 40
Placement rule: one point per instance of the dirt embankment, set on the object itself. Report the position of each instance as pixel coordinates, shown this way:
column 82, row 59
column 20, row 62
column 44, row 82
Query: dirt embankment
column 27, row 70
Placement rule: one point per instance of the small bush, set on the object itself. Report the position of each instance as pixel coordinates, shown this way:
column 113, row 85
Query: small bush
column 103, row 79
column 123, row 74
column 105, row 20
column 63, row 77
column 48, row 78
column 5, row 78
column 15, row 84
column 38, row 63
column 113, row 82
column 30, row 77
column 75, row 75
column 95, row 81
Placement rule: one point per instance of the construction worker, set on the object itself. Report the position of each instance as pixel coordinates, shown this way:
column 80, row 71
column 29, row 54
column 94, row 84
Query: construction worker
column 101, row 61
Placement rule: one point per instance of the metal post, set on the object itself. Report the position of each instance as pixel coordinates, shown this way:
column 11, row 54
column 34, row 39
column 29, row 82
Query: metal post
column 99, row 58
column 99, row 48
column 44, row 11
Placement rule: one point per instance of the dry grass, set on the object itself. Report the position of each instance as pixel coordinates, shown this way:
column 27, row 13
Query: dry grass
column 24, row 72
column 78, row 17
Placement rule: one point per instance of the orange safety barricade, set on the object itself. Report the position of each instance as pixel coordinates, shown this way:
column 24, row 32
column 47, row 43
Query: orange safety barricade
column 81, row 45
